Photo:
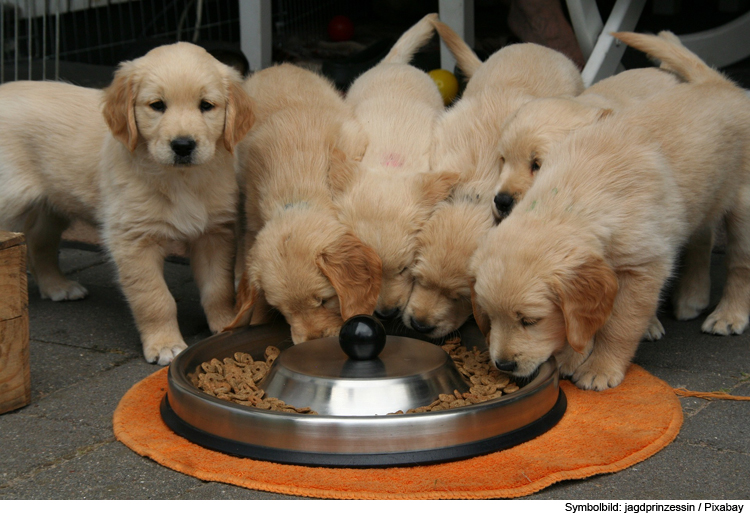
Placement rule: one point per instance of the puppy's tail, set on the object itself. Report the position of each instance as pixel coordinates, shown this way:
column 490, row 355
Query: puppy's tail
column 674, row 57
column 411, row 41
column 465, row 57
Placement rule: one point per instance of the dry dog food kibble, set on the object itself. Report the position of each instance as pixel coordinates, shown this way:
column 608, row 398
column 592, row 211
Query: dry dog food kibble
column 485, row 383
column 235, row 379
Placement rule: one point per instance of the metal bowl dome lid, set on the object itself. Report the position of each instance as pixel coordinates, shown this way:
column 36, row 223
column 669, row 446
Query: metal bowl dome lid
column 362, row 372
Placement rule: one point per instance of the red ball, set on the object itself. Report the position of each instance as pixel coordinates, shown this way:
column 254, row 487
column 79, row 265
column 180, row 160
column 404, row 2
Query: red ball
column 340, row 28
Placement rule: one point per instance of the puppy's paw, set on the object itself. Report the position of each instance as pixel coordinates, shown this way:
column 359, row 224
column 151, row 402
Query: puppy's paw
column 569, row 360
column 686, row 309
column 218, row 320
column 587, row 377
column 655, row 330
column 163, row 353
column 66, row 290
column 725, row 322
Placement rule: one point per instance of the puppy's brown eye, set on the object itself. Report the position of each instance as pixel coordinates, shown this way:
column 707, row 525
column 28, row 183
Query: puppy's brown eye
column 158, row 106
column 535, row 165
column 528, row 322
column 206, row 106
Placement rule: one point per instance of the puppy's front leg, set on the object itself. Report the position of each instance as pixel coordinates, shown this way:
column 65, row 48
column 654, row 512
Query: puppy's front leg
column 211, row 257
column 140, row 265
column 616, row 342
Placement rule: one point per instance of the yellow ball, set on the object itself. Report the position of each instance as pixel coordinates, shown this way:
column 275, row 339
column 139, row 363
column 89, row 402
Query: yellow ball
column 446, row 83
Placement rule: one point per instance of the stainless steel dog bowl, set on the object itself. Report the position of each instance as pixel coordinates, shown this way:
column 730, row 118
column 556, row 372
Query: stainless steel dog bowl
column 353, row 394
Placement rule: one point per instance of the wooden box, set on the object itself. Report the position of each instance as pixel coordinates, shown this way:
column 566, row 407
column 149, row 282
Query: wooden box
column 15, row 374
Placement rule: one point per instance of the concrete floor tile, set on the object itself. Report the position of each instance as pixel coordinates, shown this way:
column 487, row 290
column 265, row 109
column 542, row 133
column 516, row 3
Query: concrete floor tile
column 55, row 367
column 92, row 401
column 679, row 472
column 111, row 471
column 30, row 442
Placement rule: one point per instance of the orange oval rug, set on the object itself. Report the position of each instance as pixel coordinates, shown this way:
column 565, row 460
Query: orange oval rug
column 601, row 432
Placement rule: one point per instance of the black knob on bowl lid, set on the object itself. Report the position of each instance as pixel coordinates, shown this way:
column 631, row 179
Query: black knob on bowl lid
column 362, row 337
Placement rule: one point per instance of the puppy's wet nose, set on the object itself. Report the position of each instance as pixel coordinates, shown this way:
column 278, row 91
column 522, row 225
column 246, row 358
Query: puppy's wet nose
column 507, row 366
column 388, row 313
column 183, row 146
column 504, row 203
column 419, row 326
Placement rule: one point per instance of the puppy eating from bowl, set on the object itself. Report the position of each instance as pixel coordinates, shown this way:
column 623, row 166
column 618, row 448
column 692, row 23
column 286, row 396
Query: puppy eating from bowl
column 391, row 192
column 465, row 142
column 150, row 161
column 577, row 268
column 299, row 258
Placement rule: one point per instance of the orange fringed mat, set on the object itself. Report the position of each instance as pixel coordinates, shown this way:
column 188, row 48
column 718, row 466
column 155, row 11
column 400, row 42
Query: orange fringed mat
column 601, row 432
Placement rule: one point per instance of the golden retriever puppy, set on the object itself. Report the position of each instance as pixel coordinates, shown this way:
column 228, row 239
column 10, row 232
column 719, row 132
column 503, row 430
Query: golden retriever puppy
column 150, row 160
column 577, row 268
column 466, row 142
column 530, row 132
column 300, row 258
column 389, row 196
column 536, row 126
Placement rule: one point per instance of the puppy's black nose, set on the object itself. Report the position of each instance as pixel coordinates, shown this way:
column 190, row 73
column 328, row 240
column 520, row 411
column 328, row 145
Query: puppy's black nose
column 504, row 203
column 389, row 313
column 183, row 147
column 419, row 326
column 506, row 366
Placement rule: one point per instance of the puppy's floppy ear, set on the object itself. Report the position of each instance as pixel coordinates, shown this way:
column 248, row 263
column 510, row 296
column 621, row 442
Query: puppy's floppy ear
column 239, row 116
column 483, row 322
column 586, row 299
column 436, row 186
column 341, row 172
column 118, row 106
column 247, row 297
column 355, row 272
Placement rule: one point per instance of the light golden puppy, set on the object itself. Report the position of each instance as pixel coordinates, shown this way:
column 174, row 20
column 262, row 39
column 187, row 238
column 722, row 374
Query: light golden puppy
column 149, row 160
column 530, row 131
column 392, row 192
column 466, row 142
column 577, row 268
column 300, row 258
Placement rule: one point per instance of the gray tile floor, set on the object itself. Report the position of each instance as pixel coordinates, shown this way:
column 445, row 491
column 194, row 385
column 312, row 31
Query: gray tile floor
column 86, row 354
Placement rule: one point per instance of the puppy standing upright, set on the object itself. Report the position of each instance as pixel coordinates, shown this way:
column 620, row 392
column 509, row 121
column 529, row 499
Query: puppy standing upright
column 300, row 258
column 389, row 196
column 582, row 258
column 158, row 167
column 466, row 142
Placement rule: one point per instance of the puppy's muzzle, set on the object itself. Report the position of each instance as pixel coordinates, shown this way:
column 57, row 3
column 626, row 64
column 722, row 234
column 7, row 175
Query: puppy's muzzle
column 504, row 203
column 421, row 327
column 183, row 148
column 387, row 314
column 506, row 366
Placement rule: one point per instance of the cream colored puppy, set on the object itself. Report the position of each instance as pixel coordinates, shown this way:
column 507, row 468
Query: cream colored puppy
column 466, row 142
column 300, row 258
column 392, row 192
column 576, row 269
column 531, row 130
column 149, row 160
